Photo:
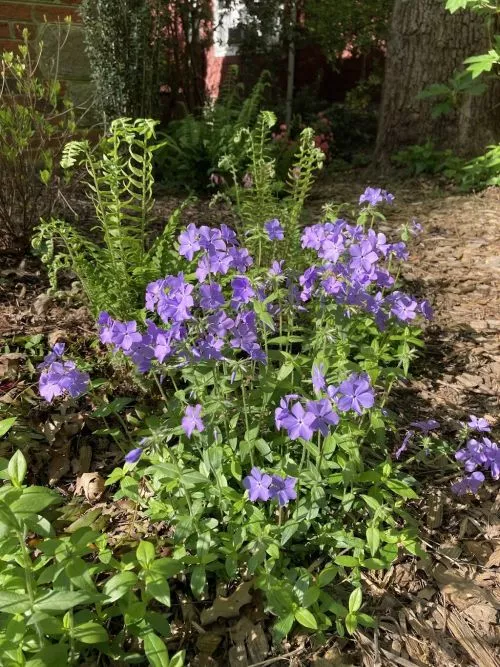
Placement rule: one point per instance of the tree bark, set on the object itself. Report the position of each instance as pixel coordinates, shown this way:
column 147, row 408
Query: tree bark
column 427, row 45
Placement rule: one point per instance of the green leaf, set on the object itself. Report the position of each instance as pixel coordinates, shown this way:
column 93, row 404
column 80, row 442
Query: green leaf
column 34, row 499
column 483, row 63
column 145, row 554
column 351, row 623
column 347, row 561
column 375, row 564
column 6, row 425
column 167, row 567
column 155, row 650
column 157, row 586
column 17, row 468
column 13, row 603
column 366, row 621
column 119, row 585
column 112, row 408
column 400, row 488
column 373, row 539
column 355, row 600
column 49, row 656
column 305, row 618
column 56, row 601
column 283, row 626
column 198, row 580
column 178, row 659
column 327, row 575
column 90, row 633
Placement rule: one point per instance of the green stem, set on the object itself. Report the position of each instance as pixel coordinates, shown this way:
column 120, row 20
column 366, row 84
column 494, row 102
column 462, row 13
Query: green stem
column 158, row 384
column 28, row 568
column 245, row 412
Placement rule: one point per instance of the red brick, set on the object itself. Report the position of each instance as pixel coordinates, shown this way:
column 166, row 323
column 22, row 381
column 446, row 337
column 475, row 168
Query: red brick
column 13, row 10
column 53, row 14
column 4, row 31
column 9, row 45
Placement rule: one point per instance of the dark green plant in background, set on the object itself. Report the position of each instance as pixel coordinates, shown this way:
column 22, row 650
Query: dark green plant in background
column 124, row 57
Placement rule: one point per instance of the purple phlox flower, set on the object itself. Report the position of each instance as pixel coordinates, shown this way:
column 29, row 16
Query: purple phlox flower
column 318, row 378
column 211, row 240
column 257, row 484
column 332, row 248
column 298, row 422
column 192, row 420
column 276, row 268
column 355, row 232
column 153, row 293
column 426, row 425
column 282, row 411
column 403, row 306
column 176, row 301
column 219, row 323
column 125, row 334
column 426, row 309
column 220, row 262
column 283, row 489
column 240, row 259
column 384, row 278
column 162, row 345
column 374, row 303
column 244, row 331
column 492, row 454
column 307, row 280
column 478, row 424
column 313, row 237
column 333, row 392
column 228, row 235
column 243, row 291
column 211, row 296
column 274, row 230
column 134, row 455
column 362, row 256
column 209, row 347
column 333, row 286
column 55, row 354
column 356, row 394
column 378, row 242
column 399, row 250
column 415, row 227
column 468, row 484
column 62, row 378
column 257, row 353
column 374, row 196
column 472, row 455
column 189, row 242
column 404, row 445
column 324, row 415
column 106, row 328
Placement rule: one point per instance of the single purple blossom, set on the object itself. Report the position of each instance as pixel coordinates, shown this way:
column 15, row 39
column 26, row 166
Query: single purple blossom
column 404, row 445
column 243, row 291
column 134, row 455
column 257, row 484
column 362, row 256
column 470, row 484
column 189, row 242
column 192, row 420
column 426, row 425
column 356, row 394
column 324, row 416
column 274, row 230
column 276, row 268
column 211, row 296
column 299, row 423
column 283, row 489
column 318, row 378
column 478, row 424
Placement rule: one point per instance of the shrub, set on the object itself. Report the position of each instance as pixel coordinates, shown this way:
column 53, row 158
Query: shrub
column 114, row 271
column 482, row 171
column 194, row 145
column 270, row 460
column 36, row 121
column 426, row 159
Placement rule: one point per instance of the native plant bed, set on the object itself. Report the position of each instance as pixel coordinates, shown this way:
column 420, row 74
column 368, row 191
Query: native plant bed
column 253, row 461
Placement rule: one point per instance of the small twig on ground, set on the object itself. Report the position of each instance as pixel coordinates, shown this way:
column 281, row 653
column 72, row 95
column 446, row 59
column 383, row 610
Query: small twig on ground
column 285, row 656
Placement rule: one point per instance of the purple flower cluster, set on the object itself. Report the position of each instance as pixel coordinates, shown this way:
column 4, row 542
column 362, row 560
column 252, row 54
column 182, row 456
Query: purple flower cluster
column 352, row 272
column 59, row 377
column 301, row 418
column 374, row 196
column 274, row 230
column 264, row 487
column 479, row 454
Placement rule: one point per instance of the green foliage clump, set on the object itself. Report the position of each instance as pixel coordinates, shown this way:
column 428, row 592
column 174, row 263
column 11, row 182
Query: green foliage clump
column 426, row 159
column 259, row 196
column 194, row 145
column 61, row 593
column 36, row 121
column 114, row 271
column 482, row 171
column 124, row 57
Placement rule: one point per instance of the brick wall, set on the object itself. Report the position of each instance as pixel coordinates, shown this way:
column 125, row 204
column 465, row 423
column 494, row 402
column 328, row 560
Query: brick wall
column 45, row 21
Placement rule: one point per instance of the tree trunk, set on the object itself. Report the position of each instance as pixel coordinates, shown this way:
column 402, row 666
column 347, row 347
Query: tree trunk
column 427, row 45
